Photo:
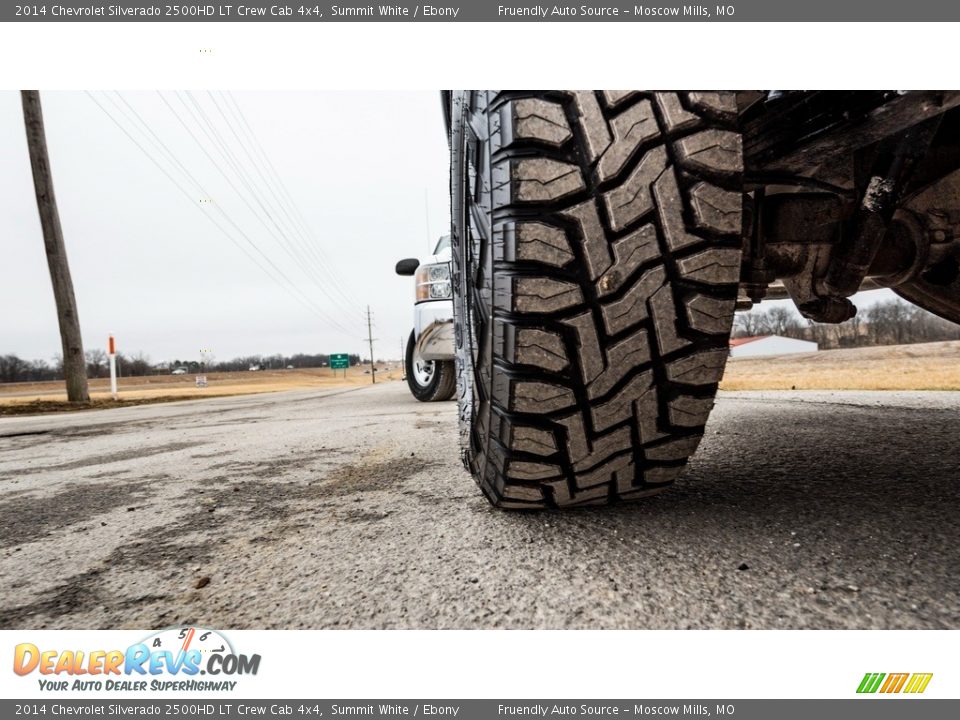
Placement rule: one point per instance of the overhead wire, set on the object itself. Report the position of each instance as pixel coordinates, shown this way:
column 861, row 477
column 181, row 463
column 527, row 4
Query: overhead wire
column 285, row 282
column 243, row 142
column 321, row 264
column 198, row 115
column 230, row 182
column 285, row 192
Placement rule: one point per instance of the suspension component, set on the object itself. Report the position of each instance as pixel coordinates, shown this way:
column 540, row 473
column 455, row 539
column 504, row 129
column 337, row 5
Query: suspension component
column 879, row 200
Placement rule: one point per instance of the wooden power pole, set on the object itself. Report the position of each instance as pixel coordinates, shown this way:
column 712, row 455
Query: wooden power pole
column 373, row 365
column 74, row 362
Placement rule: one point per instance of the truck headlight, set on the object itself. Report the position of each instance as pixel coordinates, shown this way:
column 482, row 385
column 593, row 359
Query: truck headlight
column 433, row 282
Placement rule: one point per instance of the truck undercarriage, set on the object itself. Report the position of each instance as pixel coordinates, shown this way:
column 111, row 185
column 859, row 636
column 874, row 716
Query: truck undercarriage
column 847, row 191
column 601, row 242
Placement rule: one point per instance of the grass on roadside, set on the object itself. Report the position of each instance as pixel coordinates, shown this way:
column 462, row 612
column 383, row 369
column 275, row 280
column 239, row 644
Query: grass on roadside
column 925, row 366
column 47, row 397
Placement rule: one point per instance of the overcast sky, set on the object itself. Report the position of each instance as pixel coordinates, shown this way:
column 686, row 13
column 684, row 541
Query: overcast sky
column 367, row 171
column 362, row 175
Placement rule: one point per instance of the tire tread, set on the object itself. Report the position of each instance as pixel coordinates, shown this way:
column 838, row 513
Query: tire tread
column 596, row 254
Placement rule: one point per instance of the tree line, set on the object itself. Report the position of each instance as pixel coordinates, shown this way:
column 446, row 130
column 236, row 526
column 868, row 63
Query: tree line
column 16, row 369
column 264, row 362
column 889, row 322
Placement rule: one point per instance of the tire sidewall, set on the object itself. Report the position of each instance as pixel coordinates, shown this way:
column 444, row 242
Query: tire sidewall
column 431, row 391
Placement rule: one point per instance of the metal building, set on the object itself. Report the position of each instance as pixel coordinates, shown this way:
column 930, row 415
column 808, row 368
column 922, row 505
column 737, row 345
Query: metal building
column 769, row 345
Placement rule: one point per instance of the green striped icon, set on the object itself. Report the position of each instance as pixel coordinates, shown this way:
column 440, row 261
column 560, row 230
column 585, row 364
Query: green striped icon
column 913, row 683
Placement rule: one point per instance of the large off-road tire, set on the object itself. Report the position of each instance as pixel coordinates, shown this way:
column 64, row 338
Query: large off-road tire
column 428, row 380
column 596, row 256
column 934, row 215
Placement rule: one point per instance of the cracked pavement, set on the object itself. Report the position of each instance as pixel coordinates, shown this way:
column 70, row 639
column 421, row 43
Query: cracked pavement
column 350, row 509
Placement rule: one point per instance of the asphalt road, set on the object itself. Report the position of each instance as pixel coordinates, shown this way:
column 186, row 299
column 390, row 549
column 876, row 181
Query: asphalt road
column 350, row 509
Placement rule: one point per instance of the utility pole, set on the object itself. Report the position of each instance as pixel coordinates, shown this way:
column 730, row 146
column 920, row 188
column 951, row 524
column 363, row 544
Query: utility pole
column 373, row 366
column 74, row 362
column 426, row 212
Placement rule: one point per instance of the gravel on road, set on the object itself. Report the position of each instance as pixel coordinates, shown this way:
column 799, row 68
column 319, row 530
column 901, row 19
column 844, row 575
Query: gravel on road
column 351, row 509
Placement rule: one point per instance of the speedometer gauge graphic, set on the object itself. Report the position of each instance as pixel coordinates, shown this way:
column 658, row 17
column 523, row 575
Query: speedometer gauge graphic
column 182, row 639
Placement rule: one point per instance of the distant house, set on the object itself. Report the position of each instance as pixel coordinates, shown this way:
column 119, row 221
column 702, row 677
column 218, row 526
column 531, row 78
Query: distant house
column 769, row 345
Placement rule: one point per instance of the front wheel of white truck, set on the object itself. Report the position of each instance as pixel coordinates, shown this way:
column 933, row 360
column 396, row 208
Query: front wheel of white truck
column 428, row 380
column 596, row 257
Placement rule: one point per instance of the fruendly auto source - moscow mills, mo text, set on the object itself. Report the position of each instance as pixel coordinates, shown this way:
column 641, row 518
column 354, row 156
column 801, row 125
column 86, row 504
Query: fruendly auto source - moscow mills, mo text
column 611, row 11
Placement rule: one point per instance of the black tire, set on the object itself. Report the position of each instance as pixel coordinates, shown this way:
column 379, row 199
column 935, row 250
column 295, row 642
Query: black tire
column 934, row 223
column 596, row 258
column 442, row 382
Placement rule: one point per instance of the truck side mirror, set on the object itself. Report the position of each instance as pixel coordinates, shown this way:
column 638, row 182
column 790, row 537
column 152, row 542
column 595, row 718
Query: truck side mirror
column 408, row 266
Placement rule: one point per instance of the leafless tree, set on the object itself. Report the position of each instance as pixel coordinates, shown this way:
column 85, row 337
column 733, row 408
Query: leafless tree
column 12, row 368
column 750, row 324
column 139, row 365
column 96, row 363
column 783, row 320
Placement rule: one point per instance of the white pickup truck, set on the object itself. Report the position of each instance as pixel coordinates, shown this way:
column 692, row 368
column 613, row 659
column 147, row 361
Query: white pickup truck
column 429, row 361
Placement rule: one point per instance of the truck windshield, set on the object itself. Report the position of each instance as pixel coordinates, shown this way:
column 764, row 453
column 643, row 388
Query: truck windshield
column 444, row 244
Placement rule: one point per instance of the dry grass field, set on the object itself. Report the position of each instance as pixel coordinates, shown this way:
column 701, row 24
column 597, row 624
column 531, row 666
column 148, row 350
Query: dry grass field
column 23, row 398
column 925, row 366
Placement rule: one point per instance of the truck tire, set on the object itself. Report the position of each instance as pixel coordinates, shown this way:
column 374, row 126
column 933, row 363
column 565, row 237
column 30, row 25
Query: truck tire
column 596, row 257
column 428, row 380
column 935, row 224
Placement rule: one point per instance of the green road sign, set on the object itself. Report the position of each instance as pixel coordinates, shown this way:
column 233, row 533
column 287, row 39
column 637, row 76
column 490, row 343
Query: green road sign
column 340, row 361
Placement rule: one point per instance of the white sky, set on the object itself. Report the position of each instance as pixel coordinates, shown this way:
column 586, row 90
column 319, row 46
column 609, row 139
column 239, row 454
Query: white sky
column 148, row 265
column 862, row 300
column 365, row 169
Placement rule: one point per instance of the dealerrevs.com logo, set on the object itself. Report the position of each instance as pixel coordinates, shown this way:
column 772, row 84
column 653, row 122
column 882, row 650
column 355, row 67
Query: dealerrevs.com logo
column 910, row 683
column 168, row 660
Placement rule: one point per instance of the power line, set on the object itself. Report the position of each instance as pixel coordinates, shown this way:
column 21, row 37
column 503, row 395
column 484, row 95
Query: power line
column 266, row 183
column 316, row 272
column 426, row 212
column 313, row 279
column 223, row 148
column 290, row 287
column 227, row 177
column 304, row 226
column 316, row 248
column 204, row 192
column 157, row 142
